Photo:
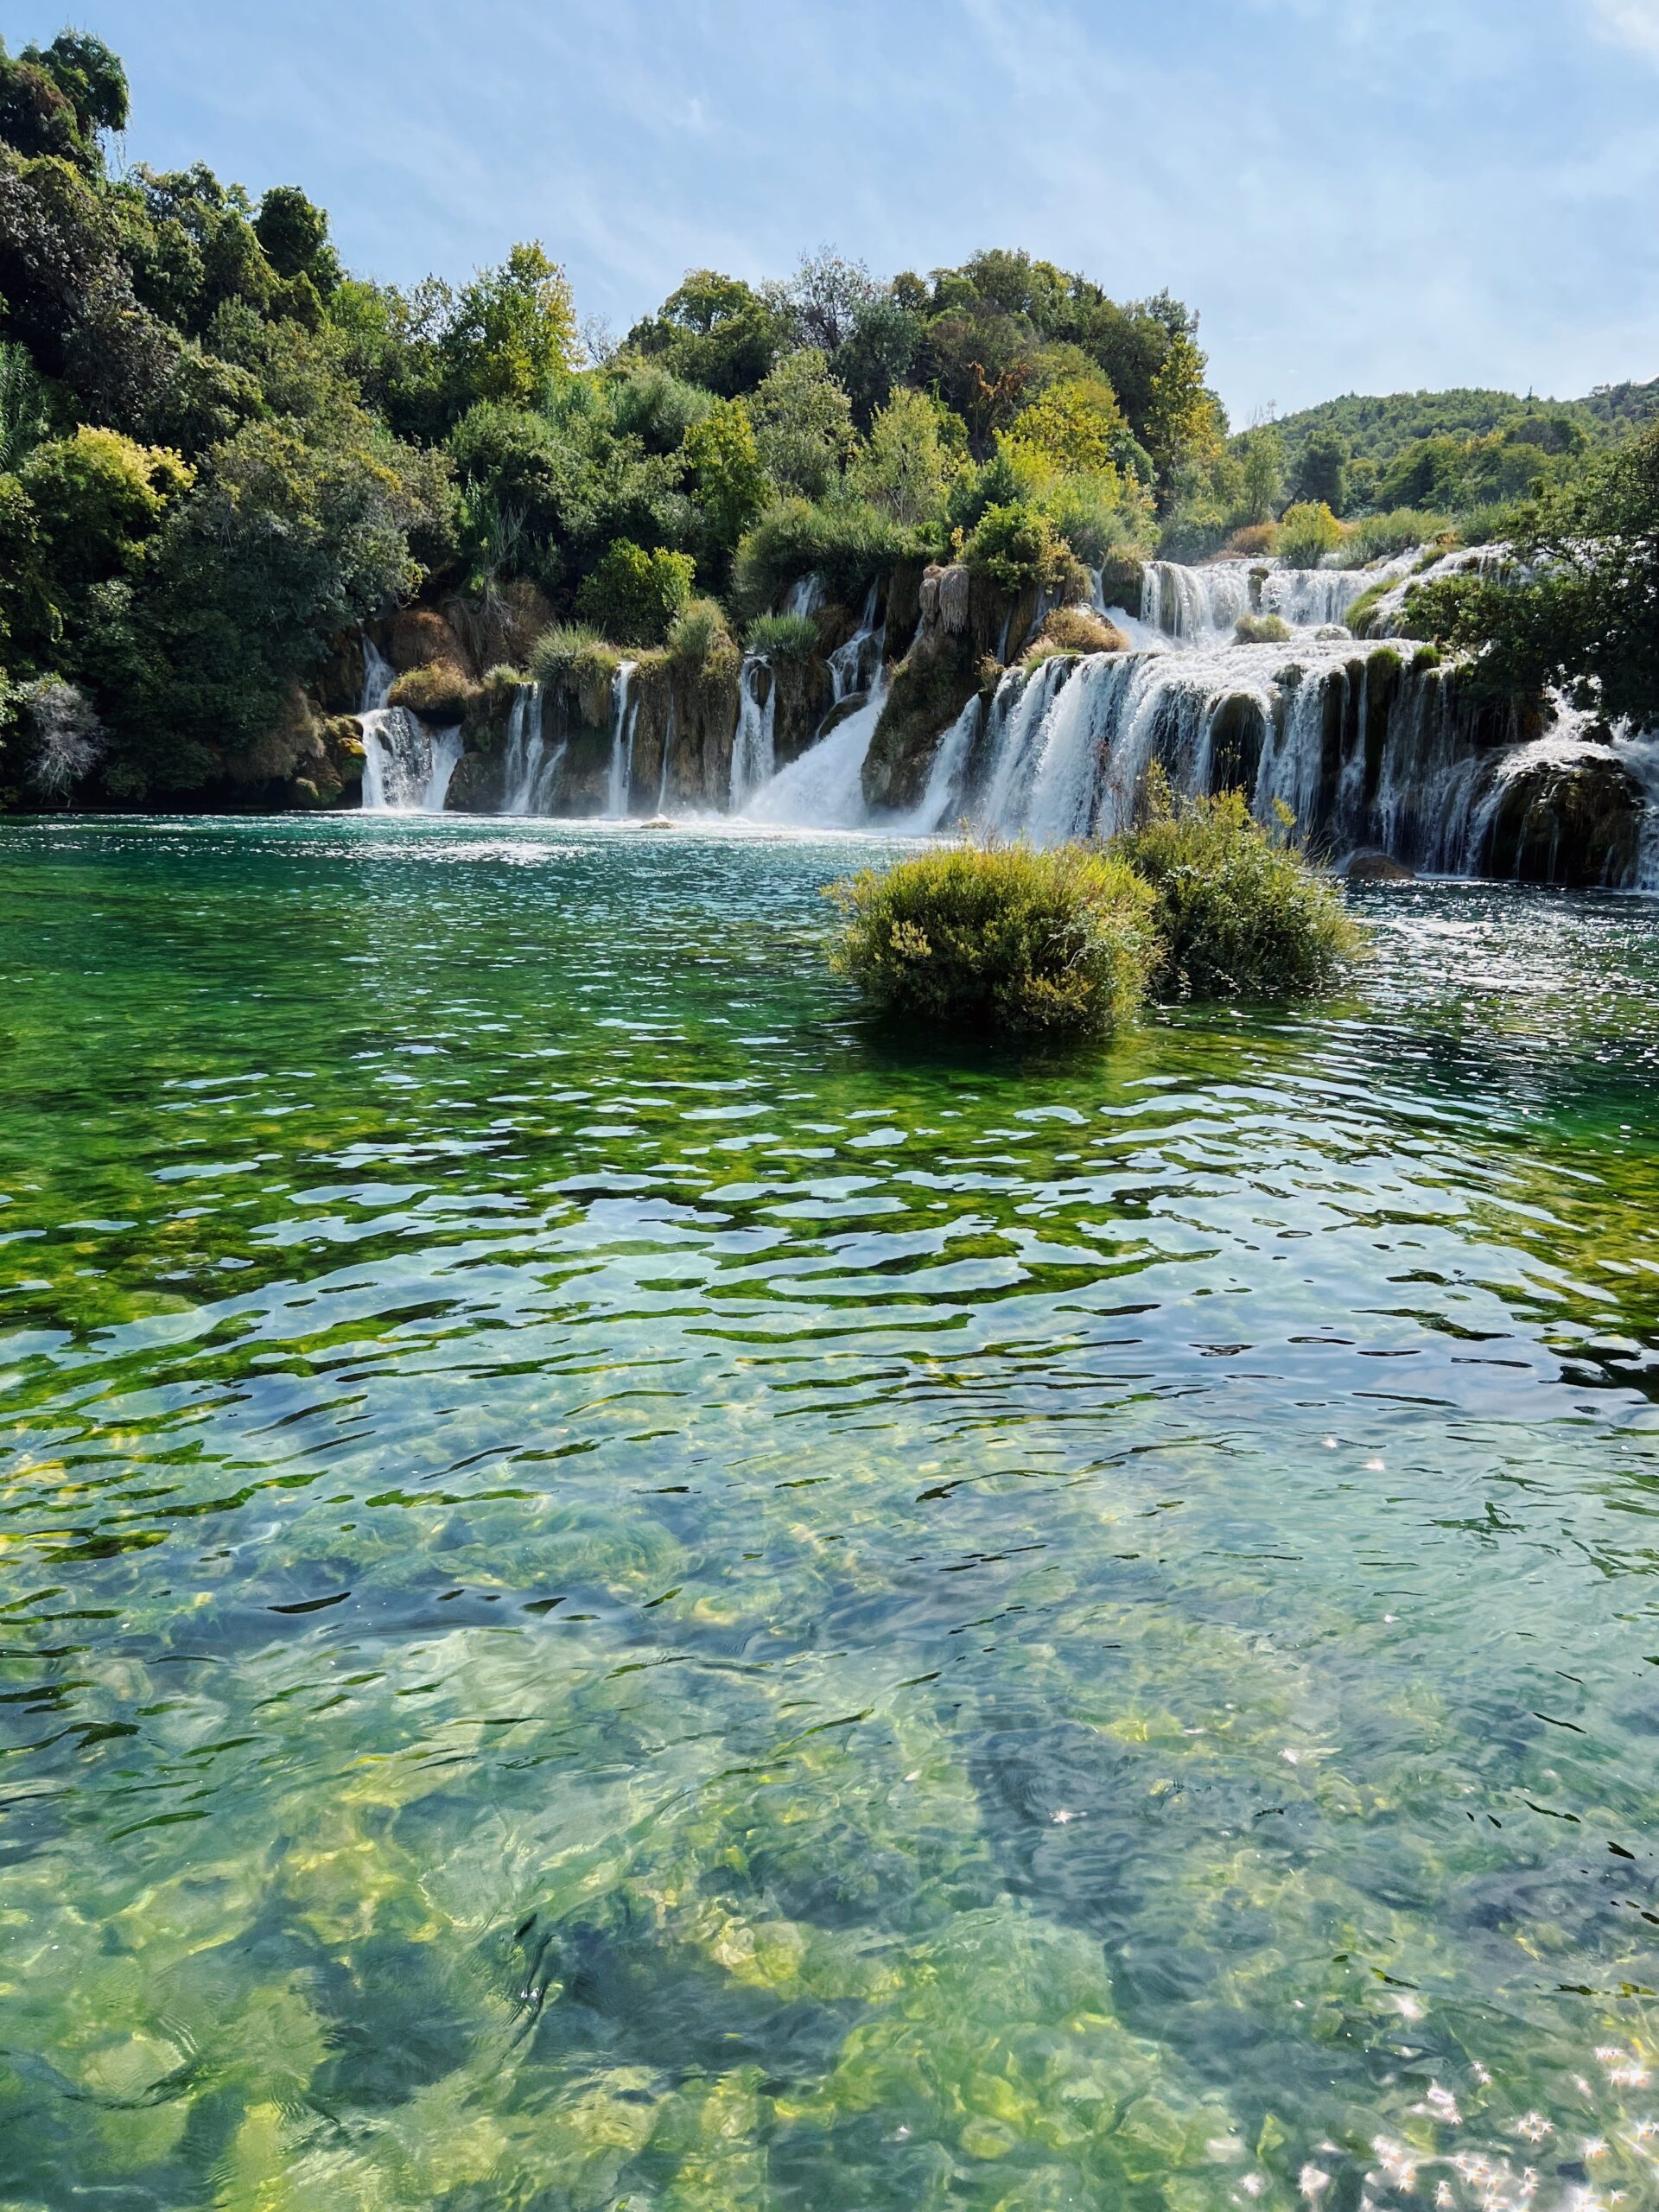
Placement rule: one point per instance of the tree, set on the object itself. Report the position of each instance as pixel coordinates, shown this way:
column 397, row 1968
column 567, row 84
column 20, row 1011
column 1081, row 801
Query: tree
column 803, row 424
column 1587, row 617
column 1263, row 453
column 295, row 236
column 908, row 465
column 1182, row 429
column 727, row 481
column 716, row 331
column 513, row 332
column 1321, row 476
column 828, row 293
column 1073, row 426
column 98, row 497
column 632, row 596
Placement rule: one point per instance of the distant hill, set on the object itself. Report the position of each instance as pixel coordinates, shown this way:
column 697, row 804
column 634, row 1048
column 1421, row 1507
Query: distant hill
column 1377, row 428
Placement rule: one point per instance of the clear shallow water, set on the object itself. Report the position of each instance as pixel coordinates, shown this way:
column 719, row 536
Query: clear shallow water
column 614, row 1586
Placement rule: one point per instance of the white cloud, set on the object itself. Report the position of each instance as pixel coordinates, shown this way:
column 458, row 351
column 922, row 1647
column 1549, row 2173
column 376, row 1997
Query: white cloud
column 1632, row 22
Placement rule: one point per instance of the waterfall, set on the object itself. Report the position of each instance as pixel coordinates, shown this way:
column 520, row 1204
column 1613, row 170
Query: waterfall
column 624, row 712
column 755, row 758
column 406, row 769
column 1069, row 744
column 528, row 768
column 1195, row 606
column 937, row 808
column 825, row 789
column 668, row 751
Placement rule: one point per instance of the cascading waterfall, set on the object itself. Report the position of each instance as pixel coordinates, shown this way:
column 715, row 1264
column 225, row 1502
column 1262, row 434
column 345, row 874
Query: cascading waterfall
column 530, row 766
column 940, row 803
column 624, row 712
column 825, row 788
column 1195, row 606
column 755, row 758
column 406, row 769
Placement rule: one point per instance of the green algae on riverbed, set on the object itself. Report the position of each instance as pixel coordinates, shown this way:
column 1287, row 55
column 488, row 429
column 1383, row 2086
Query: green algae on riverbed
column 616, row 1587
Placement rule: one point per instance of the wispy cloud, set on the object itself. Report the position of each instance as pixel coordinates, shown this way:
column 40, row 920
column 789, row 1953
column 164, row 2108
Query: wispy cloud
column 1631, row 22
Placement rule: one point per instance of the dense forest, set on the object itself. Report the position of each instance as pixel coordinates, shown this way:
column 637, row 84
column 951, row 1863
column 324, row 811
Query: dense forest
column 219, row 451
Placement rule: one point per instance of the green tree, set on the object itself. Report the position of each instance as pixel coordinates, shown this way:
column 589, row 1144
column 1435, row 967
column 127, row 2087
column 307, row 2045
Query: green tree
column 716, row 331
column 633, row 596
column 513, row 332
column 1321, row 478
column 803, row 424
column 1263, row 453
column 726, row 479
column 98, row 497
column 915, row 452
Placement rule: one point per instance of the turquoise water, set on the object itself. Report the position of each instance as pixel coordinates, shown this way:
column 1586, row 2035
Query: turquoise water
column 616, row 1587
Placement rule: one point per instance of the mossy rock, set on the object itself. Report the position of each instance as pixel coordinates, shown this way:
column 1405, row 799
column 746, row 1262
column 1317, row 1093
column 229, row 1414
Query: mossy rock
column 1262, row 630
column 1576, row 822
column 930, row 688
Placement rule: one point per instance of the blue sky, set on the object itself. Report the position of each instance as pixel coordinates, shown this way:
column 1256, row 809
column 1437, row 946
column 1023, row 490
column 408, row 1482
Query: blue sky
column 1355, row 194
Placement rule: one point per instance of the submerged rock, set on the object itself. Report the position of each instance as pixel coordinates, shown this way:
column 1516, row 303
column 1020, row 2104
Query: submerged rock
column 1377, row 868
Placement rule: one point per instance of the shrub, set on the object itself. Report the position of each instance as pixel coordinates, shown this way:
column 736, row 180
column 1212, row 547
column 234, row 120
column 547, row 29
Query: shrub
column 633, row 596
column 68, row 736
column 559, row 651
column 440, row 690
column 849, row 544
column 1380, row 537
column 1257, row 541
column 1307, row 534
column 1239, row 914
column 1097, row 515
column 1000, row 939
column 697, row 632
column 1077, row 630
column 1261, row 630
column 1016, row 547
column 782, row 637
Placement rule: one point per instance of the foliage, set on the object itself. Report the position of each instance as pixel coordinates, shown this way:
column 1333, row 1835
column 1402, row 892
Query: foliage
column 1257, row 541
column 782, row 637
column 1307, row 534
column 440, row 690
column 803, row 425
column 1588, row 616
column 558, row 652
column 633, row 595
column 716, row 331
column 1380, row 537
column 998, row 939
column 722, row 464
column 1017, row 547
column 98, row 496
column 698, row 635
column 1261, row 457
column 68, row 738
column 55, row 101
column 1261, row 630
column 1239, row 914
column 916, row 450
column 513, row 332
column 1320, row 476
column 849, row 544
column 1073, row 427
column 25, row 406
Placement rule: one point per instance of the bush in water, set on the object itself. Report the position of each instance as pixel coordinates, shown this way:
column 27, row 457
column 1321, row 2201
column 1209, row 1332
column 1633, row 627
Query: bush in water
column 1239, row 914
column 1307, row 534
column 633, row 596
column 1077, row 630
column 563, row 648
column 1000, row 939
column 1261, row 630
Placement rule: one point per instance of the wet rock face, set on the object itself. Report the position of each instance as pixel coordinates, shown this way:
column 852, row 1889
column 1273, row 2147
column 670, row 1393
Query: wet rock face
column 1573, row 821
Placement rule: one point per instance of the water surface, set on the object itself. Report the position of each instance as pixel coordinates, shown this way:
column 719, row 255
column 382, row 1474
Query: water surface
column 615, row 1586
